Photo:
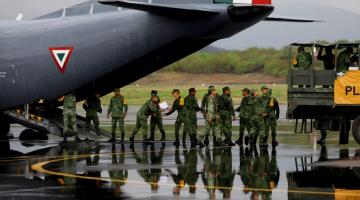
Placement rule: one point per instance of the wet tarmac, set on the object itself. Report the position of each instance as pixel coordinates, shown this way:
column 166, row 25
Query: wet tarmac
column 296, row 169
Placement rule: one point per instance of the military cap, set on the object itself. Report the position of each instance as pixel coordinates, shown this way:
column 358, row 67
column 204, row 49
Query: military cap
column 211, row 86
column 117, row 90
column 154, row 92
column 175, row 90
column 264, row 87
column 192, row 90
column 226, row 88
column 246, row 90
column 253, row 91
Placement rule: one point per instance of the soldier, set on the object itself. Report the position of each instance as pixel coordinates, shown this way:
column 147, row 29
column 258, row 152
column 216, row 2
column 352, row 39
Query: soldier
column 204, row 104
column 227, row 115
column 191, row 107
column 178, row 106
column 302, row 60
column 244, row 114
column 328, row 58
column 344, row 60
column 92, row 106
column 257, row 120
column 150, row 107
column 265, row 99
column 274, row 116
column 118, row 109
column 69, row 113
column 213, row 119
column 156, row 120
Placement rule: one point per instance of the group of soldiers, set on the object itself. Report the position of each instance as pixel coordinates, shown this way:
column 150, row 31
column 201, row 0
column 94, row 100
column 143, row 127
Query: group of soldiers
column 346, row 58
column 258, row 115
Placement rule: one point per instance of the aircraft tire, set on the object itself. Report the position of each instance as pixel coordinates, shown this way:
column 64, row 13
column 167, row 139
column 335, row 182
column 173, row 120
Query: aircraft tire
column 356, row 129
column 4, row 125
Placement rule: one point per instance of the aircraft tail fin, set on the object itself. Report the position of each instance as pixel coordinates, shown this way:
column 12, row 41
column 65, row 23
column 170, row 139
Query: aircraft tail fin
column 251, row 2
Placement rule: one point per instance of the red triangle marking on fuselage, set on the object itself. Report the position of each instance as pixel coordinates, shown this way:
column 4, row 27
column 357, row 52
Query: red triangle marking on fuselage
column 63, row 68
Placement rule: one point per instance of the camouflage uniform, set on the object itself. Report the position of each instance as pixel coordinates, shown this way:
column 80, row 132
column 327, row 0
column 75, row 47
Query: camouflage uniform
column 178, row 106
column 92, row 106
column 343, row 61
column 212, row 117
column 204, row 104
column 69, row 113
column 156, row 120
column 303, row 60
column 141, row 119
column 191, row 107
column 271, row 108
column 118, row 108
column 244, row 114
column 257, row 121
column 226, row 110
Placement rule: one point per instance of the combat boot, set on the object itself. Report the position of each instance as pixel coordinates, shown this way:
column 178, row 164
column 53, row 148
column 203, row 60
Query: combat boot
column 206, row 140
column 152, row 137
column 77, row 139
column 163, row 138
column 275, row 143
column 131, row 139
column 201, row 145
column 176, row 142
column 112, row 139
column 122, row 139
column 240, row 140
column 323, row 138
column 247, row 140
column 193, row 142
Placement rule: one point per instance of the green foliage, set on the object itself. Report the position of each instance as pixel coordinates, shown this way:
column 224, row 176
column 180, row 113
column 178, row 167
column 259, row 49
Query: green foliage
column 267, row 60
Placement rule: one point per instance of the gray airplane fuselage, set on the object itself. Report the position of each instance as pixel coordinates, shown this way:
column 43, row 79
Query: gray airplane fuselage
column 111, row 49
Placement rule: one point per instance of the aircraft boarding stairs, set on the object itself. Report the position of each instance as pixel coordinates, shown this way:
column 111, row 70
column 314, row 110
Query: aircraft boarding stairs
column 52, row 123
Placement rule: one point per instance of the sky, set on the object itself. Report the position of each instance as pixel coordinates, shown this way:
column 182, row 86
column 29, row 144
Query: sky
column 340, row 15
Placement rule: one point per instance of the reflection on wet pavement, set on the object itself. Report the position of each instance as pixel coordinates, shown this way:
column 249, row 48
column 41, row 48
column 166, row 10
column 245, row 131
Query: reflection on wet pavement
column 90, row 170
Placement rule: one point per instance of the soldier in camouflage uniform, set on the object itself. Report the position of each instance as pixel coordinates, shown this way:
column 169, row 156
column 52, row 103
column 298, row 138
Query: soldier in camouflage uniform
column 213, row 119
column 244, row 113
column 344, row 60
column 271, row 107
column 92, row 106
column 227, row 115
column 302, row 61
column 156, row 120
column 69, row 113
column 204, row 104
column 117, row 109
column 257, row 120
column 150, row 107
column 191, row 108
column 178, row 106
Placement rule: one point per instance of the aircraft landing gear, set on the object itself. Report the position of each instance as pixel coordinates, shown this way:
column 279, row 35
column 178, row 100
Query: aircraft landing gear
column 4, row 126
column 356, row 129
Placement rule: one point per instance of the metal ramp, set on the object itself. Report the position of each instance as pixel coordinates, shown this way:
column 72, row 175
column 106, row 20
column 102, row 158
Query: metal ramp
column 52, row 123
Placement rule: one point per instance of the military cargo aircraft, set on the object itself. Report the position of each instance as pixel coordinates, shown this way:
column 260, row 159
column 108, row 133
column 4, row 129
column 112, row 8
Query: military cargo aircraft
column 107, row 44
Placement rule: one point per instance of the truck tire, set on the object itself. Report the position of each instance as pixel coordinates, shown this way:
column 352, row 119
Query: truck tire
column 356, row 129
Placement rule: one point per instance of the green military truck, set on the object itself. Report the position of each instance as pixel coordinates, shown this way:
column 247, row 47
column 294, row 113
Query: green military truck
column 325, row 99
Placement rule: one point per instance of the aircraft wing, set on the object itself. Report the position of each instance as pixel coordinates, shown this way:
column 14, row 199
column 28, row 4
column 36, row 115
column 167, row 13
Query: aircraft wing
column 183, row 10
column 290, row 19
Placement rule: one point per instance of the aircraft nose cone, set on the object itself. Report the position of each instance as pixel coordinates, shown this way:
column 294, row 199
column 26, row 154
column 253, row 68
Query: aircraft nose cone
column 249, row 12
